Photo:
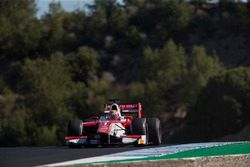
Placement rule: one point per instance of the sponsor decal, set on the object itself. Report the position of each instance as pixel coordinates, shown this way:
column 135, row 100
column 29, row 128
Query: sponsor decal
column 141, row 141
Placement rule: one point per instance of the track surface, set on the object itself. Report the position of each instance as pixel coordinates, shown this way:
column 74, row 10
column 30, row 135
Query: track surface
column 33, row 156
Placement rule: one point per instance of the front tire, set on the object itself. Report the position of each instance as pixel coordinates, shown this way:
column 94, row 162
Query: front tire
column 75, row 128
column 72, row 145
column 139, row 126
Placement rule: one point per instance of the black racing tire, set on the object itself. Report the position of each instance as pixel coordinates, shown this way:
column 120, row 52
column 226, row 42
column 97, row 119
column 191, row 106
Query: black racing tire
column 91, row 145
column 72, row 145
column 139, row 126
column 154, row 131
column 75, row 127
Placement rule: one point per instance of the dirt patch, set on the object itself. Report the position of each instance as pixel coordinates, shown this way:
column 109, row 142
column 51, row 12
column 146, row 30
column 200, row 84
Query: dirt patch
column 229, row 161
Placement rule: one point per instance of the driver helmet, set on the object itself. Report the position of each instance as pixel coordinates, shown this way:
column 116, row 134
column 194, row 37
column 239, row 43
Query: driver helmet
column 115, row 111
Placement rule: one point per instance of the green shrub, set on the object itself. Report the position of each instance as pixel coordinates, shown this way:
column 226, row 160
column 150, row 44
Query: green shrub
column 223, row 105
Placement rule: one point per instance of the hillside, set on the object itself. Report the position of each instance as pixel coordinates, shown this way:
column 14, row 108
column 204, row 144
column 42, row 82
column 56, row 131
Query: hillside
column 186, row 62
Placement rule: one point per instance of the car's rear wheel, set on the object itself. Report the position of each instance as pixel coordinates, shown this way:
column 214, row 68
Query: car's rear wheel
column 154, row 131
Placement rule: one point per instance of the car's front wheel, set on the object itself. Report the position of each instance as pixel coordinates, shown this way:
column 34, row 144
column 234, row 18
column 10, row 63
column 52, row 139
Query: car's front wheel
column 75, row 128
column 139, row 127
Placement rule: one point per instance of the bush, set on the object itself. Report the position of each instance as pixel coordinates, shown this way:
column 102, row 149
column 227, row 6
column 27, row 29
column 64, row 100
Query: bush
column 13, row 121
column 200, row 67
column 223, row 105
column 46, row 136
column 47, row 87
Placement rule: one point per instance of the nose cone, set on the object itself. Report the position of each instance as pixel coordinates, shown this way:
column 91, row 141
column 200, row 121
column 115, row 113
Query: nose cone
column 103, row 127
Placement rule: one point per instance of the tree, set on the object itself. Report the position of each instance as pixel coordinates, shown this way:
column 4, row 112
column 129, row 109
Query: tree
column 165, row 66
column 138, row 3
column 98, row 92
column 223, row 105
column 52, row 30
column 162, row 17
column 47, row 84
column 88, row 99
column 77, row 101
column 162, row 70
column 97, row 23
column 47, row 88
column 20, row 32
column 200, row 67
column 118, row 21
column 84, row 64
column 55, row 8
column 13, row 119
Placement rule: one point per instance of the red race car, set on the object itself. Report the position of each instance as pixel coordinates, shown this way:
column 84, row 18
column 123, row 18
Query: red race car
column 120, row 124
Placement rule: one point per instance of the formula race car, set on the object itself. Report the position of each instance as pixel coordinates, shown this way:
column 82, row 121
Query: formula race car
column 120, row 124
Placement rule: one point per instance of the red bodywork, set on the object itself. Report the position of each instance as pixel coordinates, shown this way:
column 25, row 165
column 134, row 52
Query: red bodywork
column 99, row 127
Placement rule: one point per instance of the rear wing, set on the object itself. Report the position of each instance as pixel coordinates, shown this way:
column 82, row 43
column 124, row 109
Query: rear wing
column 127, row 109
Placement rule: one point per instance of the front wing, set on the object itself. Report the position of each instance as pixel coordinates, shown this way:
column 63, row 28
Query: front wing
column 86, row 140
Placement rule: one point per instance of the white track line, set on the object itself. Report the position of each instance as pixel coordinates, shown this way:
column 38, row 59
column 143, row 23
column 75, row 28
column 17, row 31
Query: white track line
column 142, row 153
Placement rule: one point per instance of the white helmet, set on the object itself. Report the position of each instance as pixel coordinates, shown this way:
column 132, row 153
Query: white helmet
column 115, row 109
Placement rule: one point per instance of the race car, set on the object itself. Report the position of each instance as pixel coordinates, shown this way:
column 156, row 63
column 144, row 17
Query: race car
column 128, row 127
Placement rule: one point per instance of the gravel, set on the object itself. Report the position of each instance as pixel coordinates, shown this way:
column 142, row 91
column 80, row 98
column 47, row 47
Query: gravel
column 229, row 161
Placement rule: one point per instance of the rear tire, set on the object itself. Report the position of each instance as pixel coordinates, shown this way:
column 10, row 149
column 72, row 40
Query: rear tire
column 154, row 131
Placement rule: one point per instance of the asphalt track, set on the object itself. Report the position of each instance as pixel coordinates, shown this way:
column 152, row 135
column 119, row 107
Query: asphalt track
column 34, row 156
